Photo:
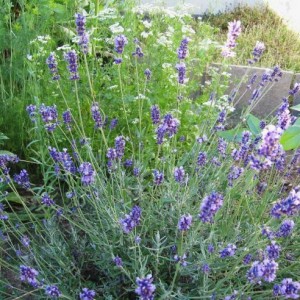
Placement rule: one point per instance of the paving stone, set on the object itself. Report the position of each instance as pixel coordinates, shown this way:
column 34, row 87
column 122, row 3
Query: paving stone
column 270, row 101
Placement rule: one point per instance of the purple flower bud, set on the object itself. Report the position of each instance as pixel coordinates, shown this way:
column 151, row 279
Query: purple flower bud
column 145, row 288
column 46, row 200
column 148, row 74
column 185, row 222
column 120, row 42
column 182, row 51
column 96, row 115
column 155, row 114
column 158, row 177
column 52, row 64
column 52, row 291
column 22, row 179
column 181, row 68
column 87, row 173
column 209, row 207
column 118, row 261
column 71, row 59
column 87, row 294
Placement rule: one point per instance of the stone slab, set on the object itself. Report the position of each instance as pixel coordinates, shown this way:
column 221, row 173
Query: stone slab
column 272, row 98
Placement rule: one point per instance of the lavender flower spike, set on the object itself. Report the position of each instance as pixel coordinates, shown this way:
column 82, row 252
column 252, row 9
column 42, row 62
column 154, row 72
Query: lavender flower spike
column 182, row 51
column 145, row 288
column 234, row 30
column 87, row 294
column 120, row 42
column 71, row 59
column 87, row 173
column 209, row 207
column 181, row 68
column 185, row 222
column 52, row 64
column 82, row 34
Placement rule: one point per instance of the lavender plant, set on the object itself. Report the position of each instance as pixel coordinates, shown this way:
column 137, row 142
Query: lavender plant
column 130, row 208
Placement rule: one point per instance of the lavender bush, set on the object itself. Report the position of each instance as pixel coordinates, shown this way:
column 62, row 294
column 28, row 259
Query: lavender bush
column 146, row 194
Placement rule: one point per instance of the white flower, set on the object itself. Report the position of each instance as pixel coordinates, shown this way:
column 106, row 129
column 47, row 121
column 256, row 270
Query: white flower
column 116, row 28
column 145, row 34
column 166, row 65
column 162, row 40
column 64, row 47
column 29, row 57
column 187, row 29
column 107, row 13
column 135, row 121
column 147, row 24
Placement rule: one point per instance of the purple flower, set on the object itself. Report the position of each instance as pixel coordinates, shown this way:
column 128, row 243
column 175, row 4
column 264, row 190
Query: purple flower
column 232, row 296
column 182, row 51
column 22, row 179
column 67, row 117
column 113, row 124
column 62, row 158
column 87, row 294
column 132, row 220
column 181, row 259
column 266, row 231
column 118, row 261
column 284, row 117
column 120, row 146
column 52, row 64
column 25, row 240
column 31, row 110
column 220, row 121
column 158, row 177
column 205, row 268
column 128, row 163
column 202, row 159
column 87, row 173
column 71, row 59
column 273, row 251
column 234, row 30
column 228, row 251
column 46, row 200
column 28, row 275
column 148, row 74
column 185, row 222
column 288, row 288
column 111, row 153
column 210, row 248
column 118, row 60
column 202, row 139
column 247, row 259
column 155, row 114
column 270, row 268
column 262, row 124
column 137, row 239
column 145, row 288
column 257, row 52
column 138, row 52
column 209, row 207
column 136, row 171
column 168, row 126
column 120, row 42
column 82, row 34
column 179, row 174
column 181, row 68
column 285, row 229
column 235, row 173
column 49, row 116
column 52, row 291
column 222, row 146
column 288, row 206
column 295, row 89
column 96, row 115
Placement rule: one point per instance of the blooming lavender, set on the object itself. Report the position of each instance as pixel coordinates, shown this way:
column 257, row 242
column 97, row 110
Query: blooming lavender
column 67, row 118
column 120, row 146
column 155, row 114
column 113, row 123
column 181, row 68
column 220, row 121
column 96, row 115
column 28, row 275
column 185, row 222
column 120, row 42
column 83, row 40
column 285, row 229
column 49, row 116
column 87, row 173
column 87, row 294
column 265, row 270
column 284, row 116
column 247, row 259
column 179, row 174
column 234, row 30
column 148, row 73
column 257, row 52
column 222, row 146
column 295, row 89
column 47, row 200
column 5, row 159
column 273, row 251
column 132, row 220
column 25, row 240
column 52, row 64
column 228, row 251
column 201, row 159
column 288, row 288
column 145, row 288
column 158, row 177
column 71, row 58
column 288, row 206
column 182, row 51
column 235, row 173
column 209, row 207
column 138, row 52
column 22, row 179
column 52, row 291
column 181, row 259
column 31, row 110
column 210, row 248
column 118, row 261
column 205, row 268
column 168, row 126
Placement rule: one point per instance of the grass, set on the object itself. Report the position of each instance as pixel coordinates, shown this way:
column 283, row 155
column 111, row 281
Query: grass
column 261, row 24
